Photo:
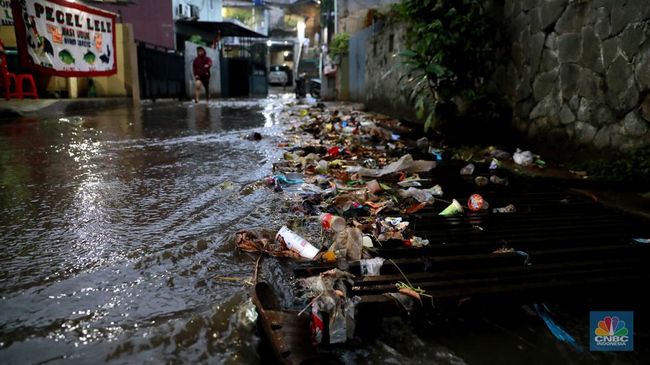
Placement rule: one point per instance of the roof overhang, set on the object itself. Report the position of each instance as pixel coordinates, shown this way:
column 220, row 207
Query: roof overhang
column 227, row 29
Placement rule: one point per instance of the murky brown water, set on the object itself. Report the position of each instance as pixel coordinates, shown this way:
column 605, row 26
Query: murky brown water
column 115, row 232
column 113, row 226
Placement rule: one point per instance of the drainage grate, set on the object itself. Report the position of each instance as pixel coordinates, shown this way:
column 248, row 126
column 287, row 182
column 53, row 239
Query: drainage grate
column 564, row 244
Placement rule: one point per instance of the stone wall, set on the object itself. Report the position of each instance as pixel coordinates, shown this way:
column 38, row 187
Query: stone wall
column 579, row 70
column 384, row 89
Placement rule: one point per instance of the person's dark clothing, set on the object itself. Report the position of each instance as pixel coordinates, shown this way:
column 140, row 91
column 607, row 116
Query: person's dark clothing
column 199, row 67
column 205, row 80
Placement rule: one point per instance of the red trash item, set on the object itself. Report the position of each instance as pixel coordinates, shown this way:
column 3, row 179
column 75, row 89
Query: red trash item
column 333, row 222
column 475, row 203
column 334, row 151
column 317, row 325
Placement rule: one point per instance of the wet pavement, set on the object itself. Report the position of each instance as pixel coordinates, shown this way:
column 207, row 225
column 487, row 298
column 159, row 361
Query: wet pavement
column 113, row 225
column 116, row 227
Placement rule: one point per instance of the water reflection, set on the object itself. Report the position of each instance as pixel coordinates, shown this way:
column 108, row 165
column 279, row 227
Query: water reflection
column 112, row 226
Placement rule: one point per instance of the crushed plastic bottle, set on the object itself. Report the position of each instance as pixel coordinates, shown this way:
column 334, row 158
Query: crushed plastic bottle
column 481, row 181
column 350, row 240
column 507, row 209
column 499, row 181
column 467, row 170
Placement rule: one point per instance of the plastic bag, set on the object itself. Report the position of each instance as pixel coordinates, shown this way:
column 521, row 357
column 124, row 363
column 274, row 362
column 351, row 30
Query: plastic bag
column 338, row 328
column 349, row 309
column 523, row 158
column 422, row 196
column 371, row 267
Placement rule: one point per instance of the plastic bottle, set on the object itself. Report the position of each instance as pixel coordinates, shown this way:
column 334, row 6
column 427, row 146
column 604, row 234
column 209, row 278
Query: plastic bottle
column 333, row 222
column 354, row 244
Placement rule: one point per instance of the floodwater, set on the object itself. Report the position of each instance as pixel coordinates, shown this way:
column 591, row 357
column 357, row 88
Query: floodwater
column 115, row 231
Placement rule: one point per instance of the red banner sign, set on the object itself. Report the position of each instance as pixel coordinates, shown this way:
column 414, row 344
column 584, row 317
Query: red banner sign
column 63, row 38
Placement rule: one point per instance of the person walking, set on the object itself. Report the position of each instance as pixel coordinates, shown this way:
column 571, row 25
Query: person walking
column 201, row 69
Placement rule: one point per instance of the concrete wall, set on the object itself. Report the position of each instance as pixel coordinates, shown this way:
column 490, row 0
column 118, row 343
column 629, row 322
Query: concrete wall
column 215, row 71
column 385, row 90
column 579, row 70
column 209, row 10
column 352, row 13
column 125, row 82
column 151, row 19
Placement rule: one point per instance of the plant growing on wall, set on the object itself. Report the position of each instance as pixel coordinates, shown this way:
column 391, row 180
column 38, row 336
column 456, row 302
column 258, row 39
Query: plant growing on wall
column 450, row 54
column 339, row 45
column 244, row 15
column 197, row 39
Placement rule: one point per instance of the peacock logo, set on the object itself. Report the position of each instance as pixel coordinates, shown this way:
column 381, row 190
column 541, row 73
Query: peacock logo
column 611, row 331
column 611, row 326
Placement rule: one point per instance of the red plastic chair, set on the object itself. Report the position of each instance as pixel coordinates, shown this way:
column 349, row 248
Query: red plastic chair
column 18, row 80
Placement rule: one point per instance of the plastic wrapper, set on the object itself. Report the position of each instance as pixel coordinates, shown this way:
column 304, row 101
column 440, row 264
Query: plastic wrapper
column 405, row 163
column 390, row 228
column 507, row 209
column 421, row 195
column 371, row 267
column 467, row 170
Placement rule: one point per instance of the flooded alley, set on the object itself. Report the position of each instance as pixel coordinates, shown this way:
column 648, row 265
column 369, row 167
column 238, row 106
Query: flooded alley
column 113, row 224
column 117, row 230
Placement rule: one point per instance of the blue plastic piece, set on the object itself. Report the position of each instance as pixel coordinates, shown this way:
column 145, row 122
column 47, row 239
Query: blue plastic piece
column 544, row 313
column 283, row 179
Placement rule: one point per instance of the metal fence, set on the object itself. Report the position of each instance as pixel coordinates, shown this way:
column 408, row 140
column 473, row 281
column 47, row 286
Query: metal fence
column 161, row 72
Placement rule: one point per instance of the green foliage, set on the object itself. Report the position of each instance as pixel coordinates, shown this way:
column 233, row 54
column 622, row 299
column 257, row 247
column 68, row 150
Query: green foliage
column 244, row 15
column 339, row 45
column 634, row 166
column 291, row 21
column 450, row 54
column 197, row 39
